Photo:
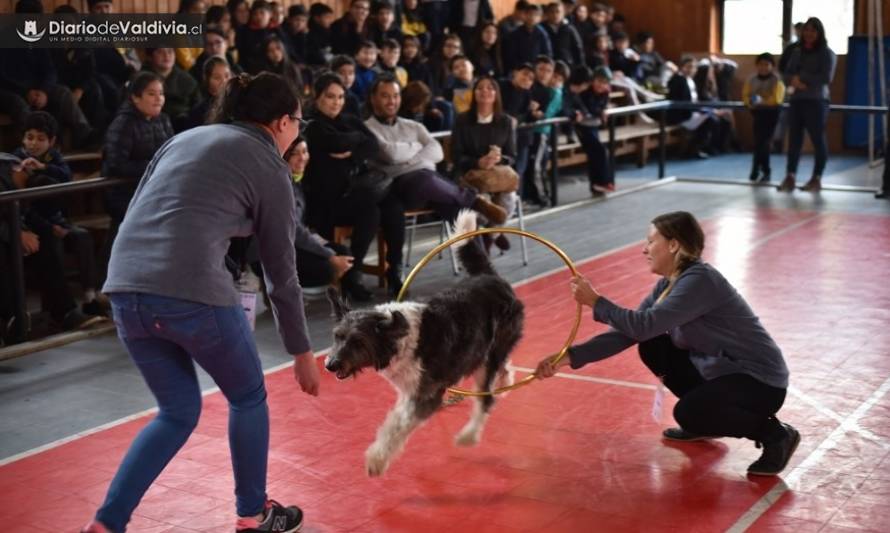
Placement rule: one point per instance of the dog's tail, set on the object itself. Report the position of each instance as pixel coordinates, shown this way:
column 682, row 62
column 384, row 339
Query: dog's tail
column 469, row 252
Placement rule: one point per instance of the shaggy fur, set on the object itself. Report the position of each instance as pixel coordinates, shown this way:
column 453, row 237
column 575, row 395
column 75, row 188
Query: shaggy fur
column 424, row 348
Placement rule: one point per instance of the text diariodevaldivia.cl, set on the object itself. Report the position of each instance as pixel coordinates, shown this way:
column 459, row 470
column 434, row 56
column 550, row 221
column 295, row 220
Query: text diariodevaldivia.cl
column 124, row 27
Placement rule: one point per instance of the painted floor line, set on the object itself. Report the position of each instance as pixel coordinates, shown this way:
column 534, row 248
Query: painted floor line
column 763, row 505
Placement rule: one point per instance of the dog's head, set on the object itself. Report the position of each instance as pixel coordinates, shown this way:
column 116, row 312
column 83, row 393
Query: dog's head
column 363, row 338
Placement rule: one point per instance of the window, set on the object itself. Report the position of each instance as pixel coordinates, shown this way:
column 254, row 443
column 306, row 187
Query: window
column 836, row 15
column 752, row 26
column 755, row 26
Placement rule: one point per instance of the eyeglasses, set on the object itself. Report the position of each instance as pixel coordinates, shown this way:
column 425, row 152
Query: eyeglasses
column 300, row 121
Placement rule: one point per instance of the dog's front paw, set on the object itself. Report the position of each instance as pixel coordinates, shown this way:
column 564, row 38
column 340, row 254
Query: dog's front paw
column 376, row 461
column 467, row 437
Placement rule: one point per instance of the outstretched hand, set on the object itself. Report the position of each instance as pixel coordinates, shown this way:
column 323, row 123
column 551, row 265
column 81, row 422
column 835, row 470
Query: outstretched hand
column 546, row 368
column 583, row 291
column 306, row 373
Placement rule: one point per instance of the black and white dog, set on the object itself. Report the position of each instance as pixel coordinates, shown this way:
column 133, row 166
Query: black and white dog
column 424, row 348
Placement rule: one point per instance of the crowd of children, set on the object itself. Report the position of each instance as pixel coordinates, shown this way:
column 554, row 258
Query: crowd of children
column 561, row 59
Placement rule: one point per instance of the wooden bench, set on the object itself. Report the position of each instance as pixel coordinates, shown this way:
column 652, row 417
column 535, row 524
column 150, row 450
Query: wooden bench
column 629, row 139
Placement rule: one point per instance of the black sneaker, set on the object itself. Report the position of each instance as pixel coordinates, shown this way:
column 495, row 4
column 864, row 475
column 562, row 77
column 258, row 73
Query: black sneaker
column 278, row 519
column 776, row 454
column 681, row 435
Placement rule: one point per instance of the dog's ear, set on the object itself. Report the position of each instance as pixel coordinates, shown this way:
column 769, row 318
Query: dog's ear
column 394, row 325
column 338, row 304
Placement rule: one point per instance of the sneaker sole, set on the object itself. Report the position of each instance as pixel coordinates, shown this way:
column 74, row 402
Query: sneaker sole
column 788, row 460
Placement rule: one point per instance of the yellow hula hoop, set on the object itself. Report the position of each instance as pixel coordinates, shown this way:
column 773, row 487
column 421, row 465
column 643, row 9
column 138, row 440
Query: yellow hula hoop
column 557, row 357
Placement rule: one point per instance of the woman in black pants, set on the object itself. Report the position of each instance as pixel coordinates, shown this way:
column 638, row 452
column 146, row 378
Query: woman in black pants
column 340, row 144
column 808, row 74
column 700, row 337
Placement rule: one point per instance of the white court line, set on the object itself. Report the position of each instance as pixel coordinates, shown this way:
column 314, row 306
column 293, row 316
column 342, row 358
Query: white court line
column 829, row 413
column 762, row 505
column 124, row 420
column 591, row 379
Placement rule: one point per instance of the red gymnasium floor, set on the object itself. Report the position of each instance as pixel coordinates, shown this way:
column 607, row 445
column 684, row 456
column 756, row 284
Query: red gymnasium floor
column 579, row 452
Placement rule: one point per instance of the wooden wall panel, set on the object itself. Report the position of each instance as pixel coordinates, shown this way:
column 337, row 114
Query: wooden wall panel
column 679, row 27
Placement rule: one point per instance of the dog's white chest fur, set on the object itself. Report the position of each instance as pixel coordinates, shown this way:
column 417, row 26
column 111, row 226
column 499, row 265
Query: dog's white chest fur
column 405, row 368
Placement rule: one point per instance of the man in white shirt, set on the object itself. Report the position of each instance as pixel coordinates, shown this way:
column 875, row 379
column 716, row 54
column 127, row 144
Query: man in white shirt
column 409, row 154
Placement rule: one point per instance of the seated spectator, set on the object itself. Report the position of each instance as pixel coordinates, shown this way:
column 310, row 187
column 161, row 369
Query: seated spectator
column 295, row 33
column 623, row 58
column 598, row 55
column 508, row 24
column 215, row 44
column 564, row 38
column 344, row 66
column 42, row 261
column 277, row 14
column 389, row 61
column 517, row 102
column 350, row 30
column 413, row 24
column 417, row 106
column 181, row 91
column 28, row 81
column 217, row 74
column 653, row 69
column 320, row 262
column 339, row 188
column 239, row 11
column 320, row 40
column 598, row 22
column 133, row 137
column 365, row 69
column 114, row 66
column 712, row 78
column 483, row 147
column 408, row 155
column 76, row 69
column 440, row 62
column 618, row 24
column 467, row 16
column 704, row 124
column 543, row 92
column 585, row 102
column 486, row 51
column 250, row 38
column 579, row 18
column 527, row 41
column 414, row 62
column 44, row 165
column 185, row 57
column 278, row 62
column 383, row 25
column 460, row 86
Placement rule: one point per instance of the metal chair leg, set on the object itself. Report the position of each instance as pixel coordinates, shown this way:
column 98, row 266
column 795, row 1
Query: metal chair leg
column 522, row 243
column 411, row 230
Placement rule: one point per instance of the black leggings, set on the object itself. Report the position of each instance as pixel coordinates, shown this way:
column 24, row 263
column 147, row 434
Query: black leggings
column 735, row 405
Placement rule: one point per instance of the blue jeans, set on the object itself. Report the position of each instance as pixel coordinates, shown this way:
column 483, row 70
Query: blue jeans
column 164, row 336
